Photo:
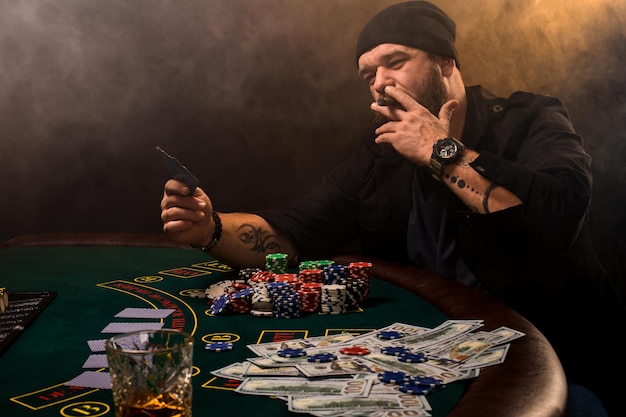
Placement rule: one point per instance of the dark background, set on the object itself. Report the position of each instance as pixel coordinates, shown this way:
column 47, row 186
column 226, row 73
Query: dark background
column 259, row 98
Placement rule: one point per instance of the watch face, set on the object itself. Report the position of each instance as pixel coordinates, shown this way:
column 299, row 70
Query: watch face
column 447, row 149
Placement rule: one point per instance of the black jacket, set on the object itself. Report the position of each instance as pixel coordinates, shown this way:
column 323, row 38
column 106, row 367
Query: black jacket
column 537, row 258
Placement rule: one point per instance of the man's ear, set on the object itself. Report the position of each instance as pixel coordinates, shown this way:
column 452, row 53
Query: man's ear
column 446, row 64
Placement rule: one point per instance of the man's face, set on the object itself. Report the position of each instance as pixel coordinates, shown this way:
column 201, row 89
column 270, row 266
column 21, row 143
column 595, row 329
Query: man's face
column 412, row 70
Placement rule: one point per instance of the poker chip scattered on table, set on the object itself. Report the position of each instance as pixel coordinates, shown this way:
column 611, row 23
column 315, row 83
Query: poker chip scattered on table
column 395, row 350
column 197, row 294
column 412, row 357
column 391, row 377
column 219, row 346
column 322, row 357
column 389, row 335
column 355, row 350
column 426, row 381
column 220, row 304
column 409, row 388
column 217, row 289
column 247, row 273
column 261, row 313
column 291, row 353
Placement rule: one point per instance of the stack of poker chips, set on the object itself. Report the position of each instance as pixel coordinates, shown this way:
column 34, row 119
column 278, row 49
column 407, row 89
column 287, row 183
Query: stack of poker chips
column 4, row 299
column 286, row 300
column 361, row 271
column 334, row 299
column 318, row 287
column 261, row 303
column 276, row 263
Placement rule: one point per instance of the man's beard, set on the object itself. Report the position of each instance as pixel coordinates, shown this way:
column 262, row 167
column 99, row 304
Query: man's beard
column 432, row 95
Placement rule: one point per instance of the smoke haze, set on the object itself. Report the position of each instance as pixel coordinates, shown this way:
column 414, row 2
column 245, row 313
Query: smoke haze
column 260, row 98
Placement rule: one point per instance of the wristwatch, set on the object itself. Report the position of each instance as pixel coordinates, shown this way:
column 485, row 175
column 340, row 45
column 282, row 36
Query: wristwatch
column 446, row 151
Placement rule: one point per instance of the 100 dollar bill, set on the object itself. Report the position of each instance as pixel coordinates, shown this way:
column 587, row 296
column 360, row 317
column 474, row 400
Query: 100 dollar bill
column 316, row 404
column 303, row 386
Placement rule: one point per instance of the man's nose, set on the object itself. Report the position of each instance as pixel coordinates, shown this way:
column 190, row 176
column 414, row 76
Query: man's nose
column 382, row 80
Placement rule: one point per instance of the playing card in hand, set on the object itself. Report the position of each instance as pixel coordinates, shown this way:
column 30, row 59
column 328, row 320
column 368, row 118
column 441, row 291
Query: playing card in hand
column 179, row 171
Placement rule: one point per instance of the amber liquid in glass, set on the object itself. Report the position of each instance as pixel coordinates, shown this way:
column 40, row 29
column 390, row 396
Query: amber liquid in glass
column 155, row 407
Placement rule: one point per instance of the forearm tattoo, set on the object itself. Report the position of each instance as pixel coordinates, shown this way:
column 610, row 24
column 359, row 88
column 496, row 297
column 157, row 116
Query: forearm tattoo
column 488, row 191
column 259, row 240
column 463, row 185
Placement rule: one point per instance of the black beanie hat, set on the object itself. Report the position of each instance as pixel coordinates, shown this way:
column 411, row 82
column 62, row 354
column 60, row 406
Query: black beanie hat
column 417, row 24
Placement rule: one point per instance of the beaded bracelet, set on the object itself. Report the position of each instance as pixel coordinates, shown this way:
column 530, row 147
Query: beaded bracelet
column 217, row 234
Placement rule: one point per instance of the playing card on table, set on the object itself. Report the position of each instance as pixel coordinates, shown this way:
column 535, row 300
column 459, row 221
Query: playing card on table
column 179, row 171
column 91, row 379
column 145, row 313
column 130, row 327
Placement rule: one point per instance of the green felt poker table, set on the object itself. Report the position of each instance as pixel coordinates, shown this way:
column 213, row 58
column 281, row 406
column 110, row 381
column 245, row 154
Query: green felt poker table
column 88, row 278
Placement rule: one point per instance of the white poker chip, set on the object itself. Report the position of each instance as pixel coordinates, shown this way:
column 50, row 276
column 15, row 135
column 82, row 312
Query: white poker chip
column 197, row 294
column 215, row 290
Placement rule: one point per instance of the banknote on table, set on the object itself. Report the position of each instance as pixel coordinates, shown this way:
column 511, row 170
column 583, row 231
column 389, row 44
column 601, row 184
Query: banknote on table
column 453, row 350
column 341, row 404
column 425, row 369
column 232, row 371
column 357, row 387
column 372, row 342
column 507, row 334
column 341, row 366
column 318, row 342
column 492, row 356
column 464, row 347
column 383, row 389
column 249, row 369
column 406, row 329
column 444, row 332
column 374, row 413
column 265, row 362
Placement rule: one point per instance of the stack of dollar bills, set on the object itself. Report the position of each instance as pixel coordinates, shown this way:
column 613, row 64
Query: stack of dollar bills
column 369, row 379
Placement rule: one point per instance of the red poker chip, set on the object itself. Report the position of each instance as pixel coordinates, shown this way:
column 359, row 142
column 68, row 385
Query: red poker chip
column 355, row 350
column 360, row 265
column 312, row 275
column 315, row 286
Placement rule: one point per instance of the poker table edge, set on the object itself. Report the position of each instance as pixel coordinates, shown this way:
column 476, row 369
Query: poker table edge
column 533, row 387
column 94, row 239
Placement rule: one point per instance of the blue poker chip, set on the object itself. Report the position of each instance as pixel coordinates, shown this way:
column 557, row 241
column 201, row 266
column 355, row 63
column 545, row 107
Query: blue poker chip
column 389, row 335
column 291, row 353
column 322, row 357
column 219, row 346
column 412, row 357
column 391, row 377
column 246, row 292
column 426, row 381
column 409, row 388
column 220, row 304
column 395, row 350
